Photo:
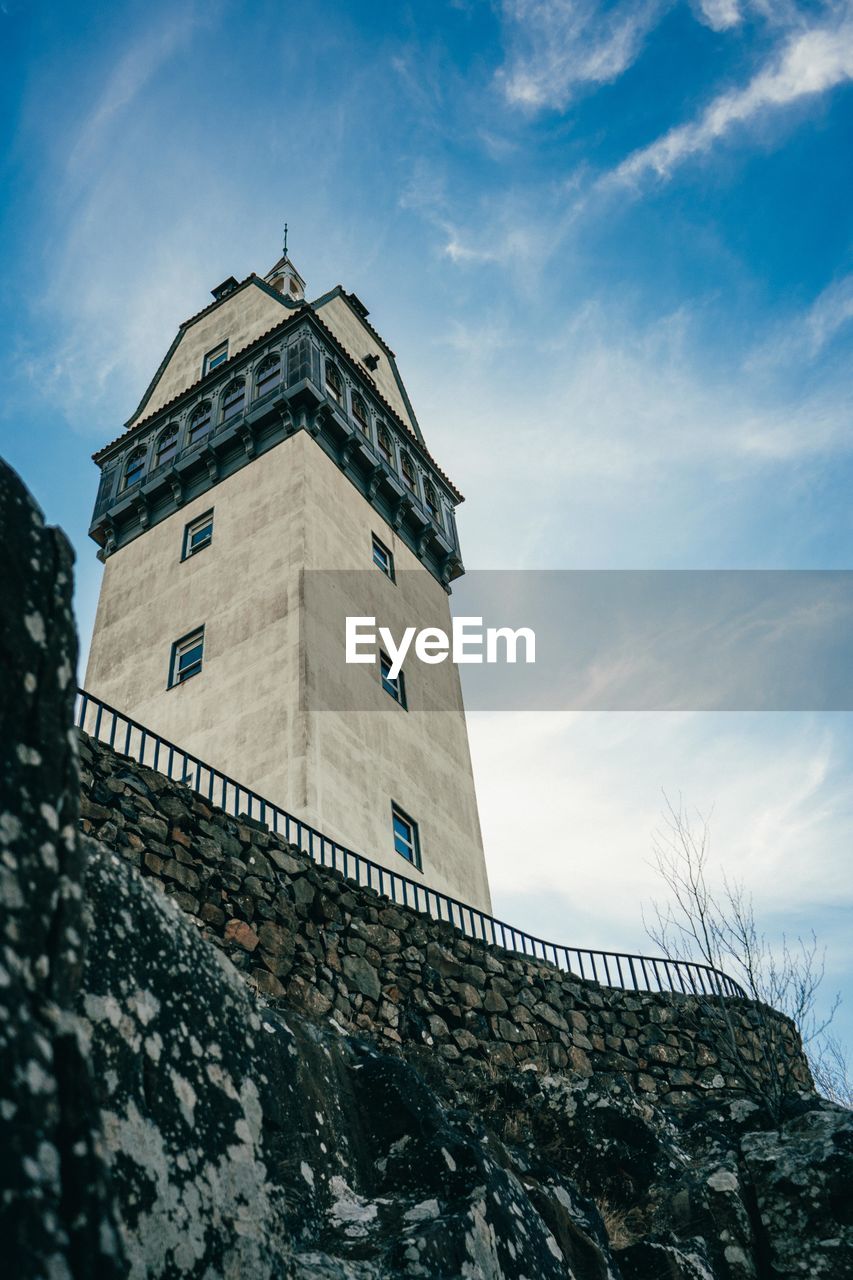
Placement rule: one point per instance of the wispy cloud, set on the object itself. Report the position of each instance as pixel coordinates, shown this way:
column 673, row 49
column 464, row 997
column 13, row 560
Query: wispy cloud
column 136, row 67
column 800, row 339
column 558, row 47
column 811, row 63
column 514, row 227
column 769, row 804
column 828, row 314
column 632, row 431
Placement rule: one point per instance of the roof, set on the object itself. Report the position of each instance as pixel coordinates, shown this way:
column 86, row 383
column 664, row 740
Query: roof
column 205, row 311
column 307, row 308
column 360, row 310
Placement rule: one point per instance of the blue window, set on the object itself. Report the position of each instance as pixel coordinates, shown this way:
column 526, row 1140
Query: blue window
column 232, row 398
column 408, row 470
column 383, row 440
column 268, row 374
column 187, row 657
column 215, row 358
column 334, row 385
column 134, row 467
column 406, row 838
column 197, row 534
column 431, row 500
column 359, row 412
column 382, row 558
column 167, row 445
column 199, row 424
column 396, row 687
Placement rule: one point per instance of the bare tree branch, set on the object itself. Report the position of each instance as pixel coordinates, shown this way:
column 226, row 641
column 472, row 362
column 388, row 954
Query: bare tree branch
column 717, row 926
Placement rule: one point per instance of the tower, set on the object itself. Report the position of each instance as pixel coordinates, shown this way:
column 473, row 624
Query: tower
column 276, row 440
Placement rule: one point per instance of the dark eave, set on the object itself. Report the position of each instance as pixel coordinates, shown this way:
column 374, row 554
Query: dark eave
column 302, row 309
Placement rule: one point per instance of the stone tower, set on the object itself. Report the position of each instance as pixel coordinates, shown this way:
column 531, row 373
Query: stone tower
column 275, row 439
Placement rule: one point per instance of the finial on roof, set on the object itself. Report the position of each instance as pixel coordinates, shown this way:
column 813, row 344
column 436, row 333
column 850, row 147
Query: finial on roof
column 284, row 277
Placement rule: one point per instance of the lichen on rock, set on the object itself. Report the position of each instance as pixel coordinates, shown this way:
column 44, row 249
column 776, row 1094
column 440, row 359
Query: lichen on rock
column 220, row 1061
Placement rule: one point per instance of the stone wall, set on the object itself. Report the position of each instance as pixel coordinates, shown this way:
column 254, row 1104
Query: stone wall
column 306, row 937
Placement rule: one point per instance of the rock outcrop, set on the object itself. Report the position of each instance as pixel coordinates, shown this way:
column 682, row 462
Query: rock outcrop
column 164, row 1116
column 55, row 1203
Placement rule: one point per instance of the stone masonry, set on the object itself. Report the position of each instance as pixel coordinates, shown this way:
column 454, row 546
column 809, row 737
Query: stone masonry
column 308, row 938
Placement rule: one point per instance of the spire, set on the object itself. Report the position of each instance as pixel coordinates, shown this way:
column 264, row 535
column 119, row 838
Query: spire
column 284, row 277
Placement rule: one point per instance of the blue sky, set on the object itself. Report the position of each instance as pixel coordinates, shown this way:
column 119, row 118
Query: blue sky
column 610, row 244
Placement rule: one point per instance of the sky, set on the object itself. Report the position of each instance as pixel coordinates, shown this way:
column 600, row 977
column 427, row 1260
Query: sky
column 610, row 244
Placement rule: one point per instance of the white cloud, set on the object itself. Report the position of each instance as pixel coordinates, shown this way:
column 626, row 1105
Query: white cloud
column 569, row 803
column 613, row 444
column 720, row 15
column 811, row 63
column 557, row 47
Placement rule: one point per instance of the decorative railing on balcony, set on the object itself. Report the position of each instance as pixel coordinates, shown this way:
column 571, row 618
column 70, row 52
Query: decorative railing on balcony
column 300, row 358
column 610, row 968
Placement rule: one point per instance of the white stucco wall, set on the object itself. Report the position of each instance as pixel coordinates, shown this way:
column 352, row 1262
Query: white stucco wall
column 269, row 652
column 240, row 319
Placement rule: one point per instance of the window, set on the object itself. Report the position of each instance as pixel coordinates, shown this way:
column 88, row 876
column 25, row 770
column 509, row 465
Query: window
column 408, row 471
column 199, row 424
column 359, row 412
column 431, row 499
column 232, row 399
column 134, row 467
column 269, row 372
column 384, row 441
column 187, row 656
column 383, row 558
column 167, row 445
column 198, row 534
column 334, row 386
column 406, row 838
column 214, row 358
column 396, row 687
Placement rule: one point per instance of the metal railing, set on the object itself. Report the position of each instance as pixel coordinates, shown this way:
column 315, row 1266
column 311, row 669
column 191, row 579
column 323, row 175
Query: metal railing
column 610, row 968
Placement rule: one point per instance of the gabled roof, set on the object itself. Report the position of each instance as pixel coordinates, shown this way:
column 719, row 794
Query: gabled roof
column 360, row 310
column 137, row 424
column 187, row 324
column 133, row 425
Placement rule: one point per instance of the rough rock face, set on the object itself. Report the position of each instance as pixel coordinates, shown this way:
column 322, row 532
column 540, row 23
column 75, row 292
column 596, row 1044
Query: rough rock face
column 243, row 1142
column 161, row 1118
column 54, row 1205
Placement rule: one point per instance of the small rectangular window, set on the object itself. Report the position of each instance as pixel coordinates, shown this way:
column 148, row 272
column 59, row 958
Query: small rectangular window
column 187, row 655
column 215, row 358
column 198, row 534
column 396, row 687
column 382, row 558
column 406, row 838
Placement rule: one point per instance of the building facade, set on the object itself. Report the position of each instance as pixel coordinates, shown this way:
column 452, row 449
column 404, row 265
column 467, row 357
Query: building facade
column 274, row 474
